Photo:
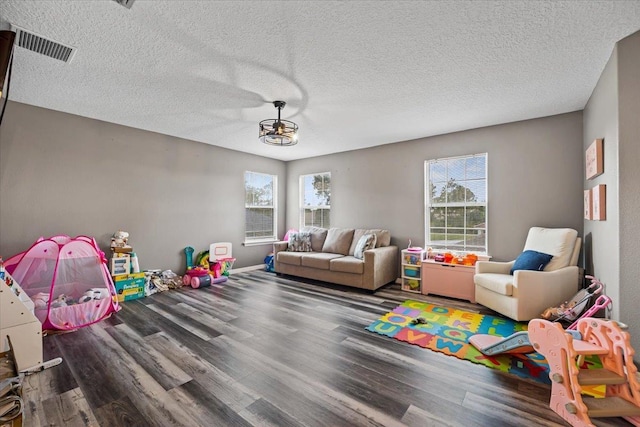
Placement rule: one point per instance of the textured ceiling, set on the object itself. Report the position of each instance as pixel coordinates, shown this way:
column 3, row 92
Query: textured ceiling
column 354, row 74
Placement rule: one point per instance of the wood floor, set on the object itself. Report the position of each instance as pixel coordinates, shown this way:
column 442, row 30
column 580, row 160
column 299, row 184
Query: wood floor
column 263, row 350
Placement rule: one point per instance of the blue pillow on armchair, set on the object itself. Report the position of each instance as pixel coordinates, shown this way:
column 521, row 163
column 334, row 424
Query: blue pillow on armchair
column 531, row 260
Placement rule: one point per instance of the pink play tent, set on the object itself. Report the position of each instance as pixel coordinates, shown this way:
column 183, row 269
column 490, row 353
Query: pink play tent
column 68, row 281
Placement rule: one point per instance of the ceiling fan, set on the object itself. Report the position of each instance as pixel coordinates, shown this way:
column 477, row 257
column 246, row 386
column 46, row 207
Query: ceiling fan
column 277, row 131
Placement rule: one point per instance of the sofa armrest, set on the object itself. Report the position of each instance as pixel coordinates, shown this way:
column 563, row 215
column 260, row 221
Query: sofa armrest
column 546, row 288
column 380, row 266
column 494, row 267
column 279, row 246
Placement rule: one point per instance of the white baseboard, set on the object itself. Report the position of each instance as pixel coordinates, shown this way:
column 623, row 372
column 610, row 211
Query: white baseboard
column 249, row 268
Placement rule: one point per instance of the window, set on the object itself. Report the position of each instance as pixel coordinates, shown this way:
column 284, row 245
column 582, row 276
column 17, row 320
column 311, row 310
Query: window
column 456, row 203
column 260, row 207
column 315, row 200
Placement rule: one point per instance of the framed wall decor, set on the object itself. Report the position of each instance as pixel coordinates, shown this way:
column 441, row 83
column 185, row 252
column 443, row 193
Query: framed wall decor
column 587, row 204
column 594, row 161
column 599, row 202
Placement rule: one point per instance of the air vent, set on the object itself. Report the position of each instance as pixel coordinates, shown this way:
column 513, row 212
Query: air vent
column 43, row 45
column 125, row 3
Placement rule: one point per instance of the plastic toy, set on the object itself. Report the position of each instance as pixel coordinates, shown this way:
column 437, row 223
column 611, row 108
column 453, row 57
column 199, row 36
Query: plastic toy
column 200, row 277
column 189, row 254
column 209, row 269
column 205, row 281
column 202, row 260
column 216, row 268
column 201, row 282
column 604, row 338
column 413, row 248
column 192, row 273
column 221, row 253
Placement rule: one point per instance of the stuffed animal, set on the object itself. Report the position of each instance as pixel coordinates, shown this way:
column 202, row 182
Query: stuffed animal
column 40, row 300
column 557, row 312
column 86, row 297
column 60, row 301
column 120, row 239
column 94, row 294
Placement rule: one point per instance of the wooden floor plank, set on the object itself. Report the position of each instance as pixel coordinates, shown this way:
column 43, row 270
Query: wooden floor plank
column 121, row 412
column 164, row 371
column 214, row 323
column 417, row 417
column 213, row 378
column 206, row 407
column 265, row 414
column 170, row 314
column 151, row 399
column 69, row 409
column 266, row 350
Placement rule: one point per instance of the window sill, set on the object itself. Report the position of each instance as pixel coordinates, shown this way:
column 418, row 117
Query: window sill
column 249, row 243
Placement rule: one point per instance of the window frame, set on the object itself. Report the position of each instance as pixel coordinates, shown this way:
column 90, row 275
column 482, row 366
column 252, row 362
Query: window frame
column 302, row 207
column 429, row 204
column 248, row 241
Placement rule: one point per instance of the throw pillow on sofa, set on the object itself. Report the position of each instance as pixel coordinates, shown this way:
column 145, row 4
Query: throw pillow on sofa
column 299, row 242
column 368, row 241
column 318, row 236
column 531, row 260
column 338, row 241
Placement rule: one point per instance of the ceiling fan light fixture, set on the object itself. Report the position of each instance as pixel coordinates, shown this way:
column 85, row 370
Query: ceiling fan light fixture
column 276, row 131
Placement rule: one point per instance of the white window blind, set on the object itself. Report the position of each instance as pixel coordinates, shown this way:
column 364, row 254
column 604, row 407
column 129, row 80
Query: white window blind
column 315, row 200
column 260, row 206
column 456, row 203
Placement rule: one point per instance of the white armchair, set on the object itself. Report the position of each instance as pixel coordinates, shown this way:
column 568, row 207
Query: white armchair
column 526, row 294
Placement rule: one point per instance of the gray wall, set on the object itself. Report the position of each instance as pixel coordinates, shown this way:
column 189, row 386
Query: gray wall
column 629, row 190
column 612, row 113
column 602, row 256
column 535, row 179
column 65, row 174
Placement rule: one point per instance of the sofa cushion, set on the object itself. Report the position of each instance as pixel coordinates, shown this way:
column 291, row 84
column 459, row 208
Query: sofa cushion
column 531, row 260
column 338, row 241
column 291, row 258
column 499, row 283
column 383, row 238
column 318, row 260
column 299, row 242
column 368, row 241
column 318, row 236
column 347, row 264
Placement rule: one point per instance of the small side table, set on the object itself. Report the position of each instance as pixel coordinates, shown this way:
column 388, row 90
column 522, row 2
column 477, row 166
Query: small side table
column 449, row 280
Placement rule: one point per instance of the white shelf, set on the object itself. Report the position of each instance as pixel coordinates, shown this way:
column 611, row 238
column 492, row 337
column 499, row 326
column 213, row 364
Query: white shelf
column 411, row 264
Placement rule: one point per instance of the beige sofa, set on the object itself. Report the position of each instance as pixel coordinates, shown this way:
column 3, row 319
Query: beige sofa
column 332, row 259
